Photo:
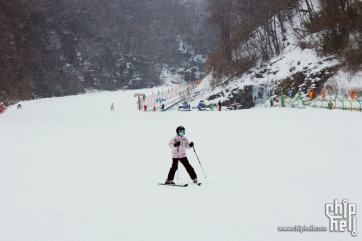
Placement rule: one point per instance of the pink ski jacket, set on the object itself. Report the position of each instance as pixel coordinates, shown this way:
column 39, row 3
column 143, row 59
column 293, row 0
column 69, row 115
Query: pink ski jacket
column 180, row 151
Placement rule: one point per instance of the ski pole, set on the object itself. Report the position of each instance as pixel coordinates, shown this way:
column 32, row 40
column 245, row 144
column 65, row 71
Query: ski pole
column 199, row 162
column 177, row 169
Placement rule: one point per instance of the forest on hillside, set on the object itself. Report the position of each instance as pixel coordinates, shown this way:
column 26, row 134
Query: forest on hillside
column 253, row 30
column 64, row 47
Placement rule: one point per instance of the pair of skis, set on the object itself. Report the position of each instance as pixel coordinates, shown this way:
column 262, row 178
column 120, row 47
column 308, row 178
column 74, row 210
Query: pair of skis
column 174, row 185
column 198, row 184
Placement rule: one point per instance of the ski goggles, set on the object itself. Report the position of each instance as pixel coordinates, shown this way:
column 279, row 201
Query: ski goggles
column 182, row 132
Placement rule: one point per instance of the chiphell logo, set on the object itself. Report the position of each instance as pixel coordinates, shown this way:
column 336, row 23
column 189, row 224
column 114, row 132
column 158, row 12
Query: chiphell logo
column 342, row 216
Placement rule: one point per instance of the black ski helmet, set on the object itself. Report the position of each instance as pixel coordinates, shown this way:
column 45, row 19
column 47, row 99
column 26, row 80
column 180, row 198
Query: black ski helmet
column 178, row 129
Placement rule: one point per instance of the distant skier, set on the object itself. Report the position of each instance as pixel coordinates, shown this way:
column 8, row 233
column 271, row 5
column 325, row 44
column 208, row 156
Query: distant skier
column 219, row 105
column 163, row 106
column 154, row 109
column 235, row 105
column 112, row 107
column 211, row 107
column 179, row 144
column 145, row 108
column 19, row 106
column 2, row 107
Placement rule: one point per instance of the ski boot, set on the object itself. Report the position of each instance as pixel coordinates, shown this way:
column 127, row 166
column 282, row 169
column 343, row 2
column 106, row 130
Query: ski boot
column 195, row 180
column 171, row 182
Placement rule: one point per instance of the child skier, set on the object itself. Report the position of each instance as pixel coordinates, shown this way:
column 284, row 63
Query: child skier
column 179, row 144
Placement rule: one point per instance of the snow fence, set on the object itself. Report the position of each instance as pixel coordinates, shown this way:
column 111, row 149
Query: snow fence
column 167, row 98
column 342, row 103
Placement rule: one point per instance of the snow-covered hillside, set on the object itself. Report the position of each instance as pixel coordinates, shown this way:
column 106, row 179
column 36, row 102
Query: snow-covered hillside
column 71, row 169
column 299, row 67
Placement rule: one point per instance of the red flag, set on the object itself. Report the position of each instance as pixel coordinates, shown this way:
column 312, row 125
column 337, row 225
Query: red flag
column 352, row 94
column 310, row 94
column 324, row 94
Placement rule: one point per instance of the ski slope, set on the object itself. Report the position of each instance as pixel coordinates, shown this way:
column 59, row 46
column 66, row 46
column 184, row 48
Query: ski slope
column 71, row 169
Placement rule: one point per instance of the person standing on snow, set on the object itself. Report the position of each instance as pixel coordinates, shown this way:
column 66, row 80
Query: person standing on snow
column 235, row 105
column 145, row 108
column 179, row 144
column 154, row 108
column 219, row 104
column 112, row 107
column 2, row 107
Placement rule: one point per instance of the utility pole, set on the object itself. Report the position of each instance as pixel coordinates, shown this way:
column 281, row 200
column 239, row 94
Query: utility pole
column 213, row 81
column 267, row 86
column 184, row 71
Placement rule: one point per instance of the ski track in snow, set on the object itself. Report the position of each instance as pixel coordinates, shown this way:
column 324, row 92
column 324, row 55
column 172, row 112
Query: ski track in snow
column 73, row 170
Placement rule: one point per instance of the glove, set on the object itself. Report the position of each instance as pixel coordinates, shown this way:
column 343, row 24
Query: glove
column 191, row 144
column 177, row 144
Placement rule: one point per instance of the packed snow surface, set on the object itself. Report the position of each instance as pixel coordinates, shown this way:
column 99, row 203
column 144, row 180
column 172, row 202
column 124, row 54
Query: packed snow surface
column 71, row 169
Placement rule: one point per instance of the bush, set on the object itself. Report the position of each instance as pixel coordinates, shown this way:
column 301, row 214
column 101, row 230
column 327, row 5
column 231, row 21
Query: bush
column 332, row 42
column 353, row 58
